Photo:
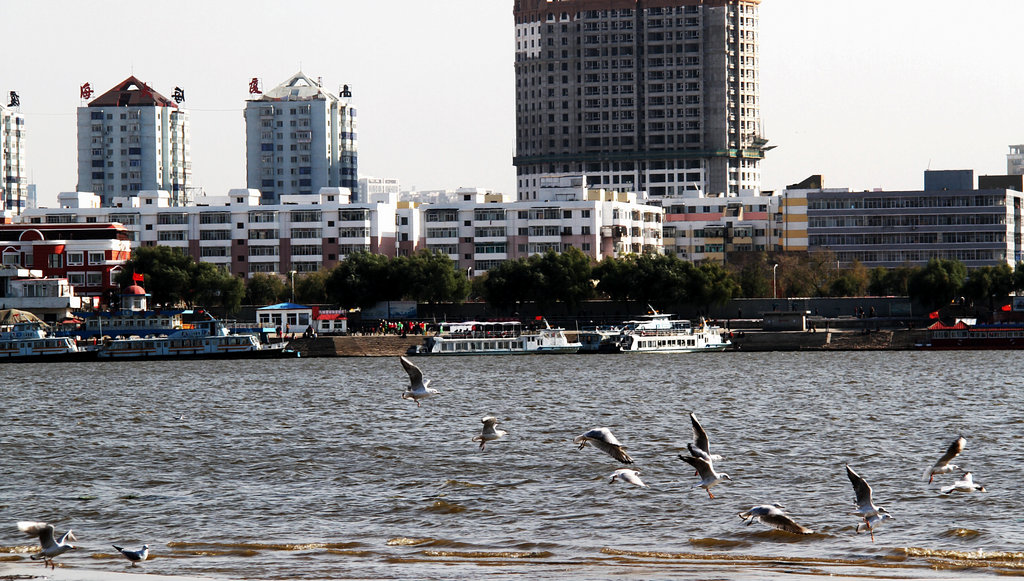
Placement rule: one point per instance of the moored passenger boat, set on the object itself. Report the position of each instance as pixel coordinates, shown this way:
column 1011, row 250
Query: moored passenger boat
column 494, row 338
column 963, row 335
column 29, row 343
column 659, row 333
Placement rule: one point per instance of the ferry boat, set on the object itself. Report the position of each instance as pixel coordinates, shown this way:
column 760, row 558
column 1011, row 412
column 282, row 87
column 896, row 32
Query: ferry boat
column 659, row 333
column 208, row 339
column 965, row 334
column 494, row 338
column 29, row 342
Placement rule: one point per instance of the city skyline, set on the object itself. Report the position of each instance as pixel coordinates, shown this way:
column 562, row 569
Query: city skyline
column 867, row 94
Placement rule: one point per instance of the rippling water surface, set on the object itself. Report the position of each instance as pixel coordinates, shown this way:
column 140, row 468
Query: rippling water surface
column 317, row 469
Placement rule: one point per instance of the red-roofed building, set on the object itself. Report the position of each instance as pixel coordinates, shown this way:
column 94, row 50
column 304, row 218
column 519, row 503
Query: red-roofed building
column 89, row 256
column 132, row 138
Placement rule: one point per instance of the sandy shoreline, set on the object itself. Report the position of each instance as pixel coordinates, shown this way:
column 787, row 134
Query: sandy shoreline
column 36, row 571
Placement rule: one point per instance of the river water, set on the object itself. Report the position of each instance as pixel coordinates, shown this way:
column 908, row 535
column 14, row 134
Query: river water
column 317, row 469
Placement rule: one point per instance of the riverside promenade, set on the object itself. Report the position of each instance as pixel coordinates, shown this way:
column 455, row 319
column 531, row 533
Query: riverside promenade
column 842, row 340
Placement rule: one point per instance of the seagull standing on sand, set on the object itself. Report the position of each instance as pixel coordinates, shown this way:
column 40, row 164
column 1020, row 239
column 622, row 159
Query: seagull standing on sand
column 708, row 476
column 774, row 516
column 417, row 385
column 50, row 547
column 872, row 514
column 604, row 440
column 627, row 475
column 965, row 484
column 943, row 465
column 489, row 432
column 134, row 556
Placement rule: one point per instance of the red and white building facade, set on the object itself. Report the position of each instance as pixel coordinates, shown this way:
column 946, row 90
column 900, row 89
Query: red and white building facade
column 88, row 255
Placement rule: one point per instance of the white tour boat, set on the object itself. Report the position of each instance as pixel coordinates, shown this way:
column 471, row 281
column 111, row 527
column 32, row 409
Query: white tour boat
column 659, row 333
column 494, row 338
column 29, row 342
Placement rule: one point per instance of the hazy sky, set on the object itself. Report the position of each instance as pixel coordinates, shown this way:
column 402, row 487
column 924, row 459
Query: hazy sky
column 868, row 93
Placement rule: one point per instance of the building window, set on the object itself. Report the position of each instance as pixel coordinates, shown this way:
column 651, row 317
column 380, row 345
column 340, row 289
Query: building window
column 75, row 259
column 96, row 258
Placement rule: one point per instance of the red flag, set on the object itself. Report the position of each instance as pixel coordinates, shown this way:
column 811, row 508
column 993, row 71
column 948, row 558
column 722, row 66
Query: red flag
column 136, row 277
column 1006, row 308
column 933, row 315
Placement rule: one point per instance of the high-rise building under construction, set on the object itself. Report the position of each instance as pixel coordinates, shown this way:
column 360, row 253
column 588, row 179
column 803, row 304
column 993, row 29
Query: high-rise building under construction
column 641, row 95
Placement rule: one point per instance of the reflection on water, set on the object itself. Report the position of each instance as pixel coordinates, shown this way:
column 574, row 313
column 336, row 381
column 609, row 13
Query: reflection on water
column 316, row 468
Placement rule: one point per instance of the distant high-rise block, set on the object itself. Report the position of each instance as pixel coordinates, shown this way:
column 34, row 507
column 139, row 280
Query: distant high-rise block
column 644, row 95
column 13, row 179
column 300, row 138
column 130, row 139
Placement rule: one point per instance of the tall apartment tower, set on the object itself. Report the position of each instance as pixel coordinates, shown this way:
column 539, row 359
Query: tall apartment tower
column 645, row 95
column 13, row 180
column 300, row 138
column 130, row 139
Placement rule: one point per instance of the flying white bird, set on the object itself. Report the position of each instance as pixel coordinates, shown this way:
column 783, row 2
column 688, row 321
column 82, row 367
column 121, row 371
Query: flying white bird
column 965, row 484
column 49, row 546
column 872, row 514
column 417, row 385
column 773, row 516
column 627, row 475
column 943, row 466
column 489, row 432
column 708, row 476
column 701, row 447
column 604, row 440
column 134, row 556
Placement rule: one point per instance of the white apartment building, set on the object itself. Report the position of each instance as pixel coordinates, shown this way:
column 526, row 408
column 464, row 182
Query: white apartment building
column 484, row 230
column 300, row 138
column 303, row 233
column 13, row 178
column 131, row 139
column 659, row 97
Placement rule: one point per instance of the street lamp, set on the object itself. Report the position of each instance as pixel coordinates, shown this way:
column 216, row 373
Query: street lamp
column 775, row 289
column 291, row 275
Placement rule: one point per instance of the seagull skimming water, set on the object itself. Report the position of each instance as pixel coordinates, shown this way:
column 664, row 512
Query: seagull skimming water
column 417, row 385
column 489, row 432
column 604, row 440
column 866, row 509
column 965, row 484
column 943, row 466
column 627, row 475
column 773, row 516
column 50, row 547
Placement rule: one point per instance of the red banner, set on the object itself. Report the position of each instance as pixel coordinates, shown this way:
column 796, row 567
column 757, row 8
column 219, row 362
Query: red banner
column 136, row 277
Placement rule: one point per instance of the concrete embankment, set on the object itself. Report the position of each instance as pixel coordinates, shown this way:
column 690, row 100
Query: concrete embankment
column 355, row 346
column 393, row 346
column 881, row 340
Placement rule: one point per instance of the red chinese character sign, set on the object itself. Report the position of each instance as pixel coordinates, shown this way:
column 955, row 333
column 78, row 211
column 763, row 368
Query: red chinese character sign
column 85, row 91
column 254, row 86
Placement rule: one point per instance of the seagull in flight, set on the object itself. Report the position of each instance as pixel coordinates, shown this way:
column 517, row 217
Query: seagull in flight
column 417, row 385
column 489, row 432
column 134, row 556
column 701, row 446
column 708, row 476
column 866, row 509
column 773, row 516
column 50, row 547
column 627, row 475
column 604, row 440
column 943, row 466
column 965, row 484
